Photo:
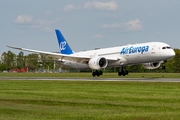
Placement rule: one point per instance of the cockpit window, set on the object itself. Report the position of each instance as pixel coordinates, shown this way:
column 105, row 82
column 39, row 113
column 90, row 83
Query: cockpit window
column 166, row 47
column 163, row 47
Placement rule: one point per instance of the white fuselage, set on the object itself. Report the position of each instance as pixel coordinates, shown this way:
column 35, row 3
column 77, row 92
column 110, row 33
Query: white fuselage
column 126, row 55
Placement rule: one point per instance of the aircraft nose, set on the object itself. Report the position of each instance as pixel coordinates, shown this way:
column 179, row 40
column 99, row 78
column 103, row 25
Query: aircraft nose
column 172, row 53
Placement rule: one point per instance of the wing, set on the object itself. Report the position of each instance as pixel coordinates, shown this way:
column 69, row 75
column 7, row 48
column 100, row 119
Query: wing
column 53, row 55
column 70, row 57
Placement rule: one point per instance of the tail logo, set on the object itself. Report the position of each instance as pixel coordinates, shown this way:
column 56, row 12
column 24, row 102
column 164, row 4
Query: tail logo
column 62, row 45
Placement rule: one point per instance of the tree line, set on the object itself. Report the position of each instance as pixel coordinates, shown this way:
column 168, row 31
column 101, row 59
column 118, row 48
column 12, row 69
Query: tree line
column 31, row 62
column 37, row 62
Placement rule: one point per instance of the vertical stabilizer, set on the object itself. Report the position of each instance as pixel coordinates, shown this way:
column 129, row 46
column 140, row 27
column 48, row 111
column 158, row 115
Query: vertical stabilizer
column 63, row 45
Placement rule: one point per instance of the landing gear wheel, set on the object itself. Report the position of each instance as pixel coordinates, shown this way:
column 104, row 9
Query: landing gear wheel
column 97, row 73
column 123, row 71
column 126, row 72
column 119, row 73
column 93, row 74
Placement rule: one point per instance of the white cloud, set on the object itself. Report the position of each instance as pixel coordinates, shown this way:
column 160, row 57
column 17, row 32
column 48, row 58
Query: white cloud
column 40, row 23
column 24, row 19
column 132, row 25
column 69, row 7
column 111, row 6
column 43, row 24
column 98, row 36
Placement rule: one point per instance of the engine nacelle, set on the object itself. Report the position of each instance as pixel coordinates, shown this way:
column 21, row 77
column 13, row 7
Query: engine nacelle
column 151, row 65
column 98, row 63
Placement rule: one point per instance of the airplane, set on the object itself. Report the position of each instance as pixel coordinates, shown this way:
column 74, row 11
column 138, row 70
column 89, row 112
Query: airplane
column 150, row 54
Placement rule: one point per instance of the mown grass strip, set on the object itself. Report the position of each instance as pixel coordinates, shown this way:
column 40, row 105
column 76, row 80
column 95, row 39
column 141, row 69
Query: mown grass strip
column 45, row 100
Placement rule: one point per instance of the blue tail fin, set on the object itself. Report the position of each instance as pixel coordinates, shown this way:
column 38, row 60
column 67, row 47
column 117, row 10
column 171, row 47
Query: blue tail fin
column 63, row 45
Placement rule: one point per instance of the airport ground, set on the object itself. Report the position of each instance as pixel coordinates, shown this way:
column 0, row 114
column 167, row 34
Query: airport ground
column 142, row 96
column 89, row 75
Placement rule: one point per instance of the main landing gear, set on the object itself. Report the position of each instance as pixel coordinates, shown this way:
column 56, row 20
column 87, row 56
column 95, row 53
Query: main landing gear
column 122, row 71
column 97, row 73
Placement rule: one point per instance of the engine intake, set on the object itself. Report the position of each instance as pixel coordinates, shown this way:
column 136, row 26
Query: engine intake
column 151, row 65
column 98, row 63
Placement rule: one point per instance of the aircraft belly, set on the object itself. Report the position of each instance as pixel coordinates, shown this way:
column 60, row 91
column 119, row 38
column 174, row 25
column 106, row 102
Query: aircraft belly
column 75, row 65
column 139, row 58
column 143, row 58
column 114, row 64
column 133, row 58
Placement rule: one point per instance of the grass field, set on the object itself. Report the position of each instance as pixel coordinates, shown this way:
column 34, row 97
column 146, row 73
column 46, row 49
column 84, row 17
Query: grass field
column 89, row 75
column 88, row 100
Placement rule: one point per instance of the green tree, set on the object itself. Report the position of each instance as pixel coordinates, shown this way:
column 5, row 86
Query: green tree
column 32, row 62
column 9, row 59
column 20, row 60
column 47, row 63
column 176, row 61
column 173, row 65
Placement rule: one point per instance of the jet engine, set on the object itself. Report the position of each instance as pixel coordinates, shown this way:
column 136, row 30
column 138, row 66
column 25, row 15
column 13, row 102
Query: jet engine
column 151, row 65
column 98, row 63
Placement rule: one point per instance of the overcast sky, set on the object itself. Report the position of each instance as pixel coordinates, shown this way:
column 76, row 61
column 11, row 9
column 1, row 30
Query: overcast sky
column 88, row 24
